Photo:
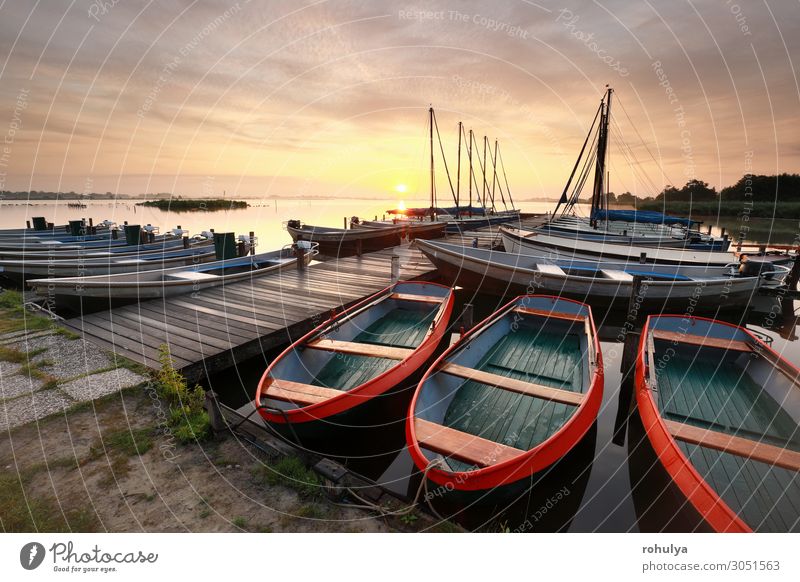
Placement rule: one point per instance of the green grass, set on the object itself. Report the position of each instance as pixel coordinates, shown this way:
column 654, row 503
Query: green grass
column 292, row 473
column 126, row 442
column 27, row 513
column 240, row 522
column 188, row 418
column 194, row 204
column 14, row 316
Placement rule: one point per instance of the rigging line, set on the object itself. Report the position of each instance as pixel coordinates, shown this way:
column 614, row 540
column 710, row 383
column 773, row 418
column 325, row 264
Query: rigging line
column 444, row 159
column 485, row 168
column 477, row 190
column 494, row 177
column 588, row 162
column 632, row 159
column 577, row 163
column 505, row 177
column 658, row 164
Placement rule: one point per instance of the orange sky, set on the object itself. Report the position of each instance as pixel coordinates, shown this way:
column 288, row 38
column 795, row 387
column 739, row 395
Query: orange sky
column 330, row 98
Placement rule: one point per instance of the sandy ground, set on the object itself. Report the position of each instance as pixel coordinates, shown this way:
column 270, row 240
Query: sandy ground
column 78, row 474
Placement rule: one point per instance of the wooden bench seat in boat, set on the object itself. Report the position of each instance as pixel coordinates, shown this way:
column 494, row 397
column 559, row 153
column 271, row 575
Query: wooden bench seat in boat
column 551, row 314
column 299, row 393
column 462, row 446
column 758, row 451
column 550, row 269
column 701, row 340
column 360, row 349
column 520, row 386
column 419, row 298
column 617, row 275
column 189, row 276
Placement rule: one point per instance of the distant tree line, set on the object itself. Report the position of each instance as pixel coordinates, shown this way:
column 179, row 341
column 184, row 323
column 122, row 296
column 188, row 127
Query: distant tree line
column 754, row 188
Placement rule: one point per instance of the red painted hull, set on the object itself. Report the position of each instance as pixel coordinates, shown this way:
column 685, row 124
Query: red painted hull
column 532, row 461
column 381, row 384
column 719, row 516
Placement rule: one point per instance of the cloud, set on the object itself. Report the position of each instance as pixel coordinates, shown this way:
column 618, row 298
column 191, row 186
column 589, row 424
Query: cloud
column 273, row 88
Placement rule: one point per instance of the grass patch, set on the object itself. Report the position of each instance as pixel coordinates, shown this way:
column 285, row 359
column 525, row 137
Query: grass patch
column 125, row 442
column 312, row 511
column 240, row 522
column 188, row 418
column 292, row 473
column 14, row 316
column 27, row 513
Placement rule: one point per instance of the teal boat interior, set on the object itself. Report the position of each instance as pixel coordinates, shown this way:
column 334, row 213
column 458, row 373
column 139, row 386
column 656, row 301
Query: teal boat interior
column 364, row 344
column 523, row 346
column 709, row 377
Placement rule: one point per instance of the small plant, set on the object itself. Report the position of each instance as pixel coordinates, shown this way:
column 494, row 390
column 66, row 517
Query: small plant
column 240, row 522
column 291, row 472
column 409, row 518
column 14, row 316
column 188, row 418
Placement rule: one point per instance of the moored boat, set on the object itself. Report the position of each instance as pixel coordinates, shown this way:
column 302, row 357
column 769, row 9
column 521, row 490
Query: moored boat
column 599, row 282
column 510, row 398
column 517, row 240
column 721, row 411
column 338, row 242
column 102, row 290
column 21, row 270
column 343, row 374
column 414, row 229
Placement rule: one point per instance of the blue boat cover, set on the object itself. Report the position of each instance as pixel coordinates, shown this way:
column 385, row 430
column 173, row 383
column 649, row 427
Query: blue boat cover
column 643, row 216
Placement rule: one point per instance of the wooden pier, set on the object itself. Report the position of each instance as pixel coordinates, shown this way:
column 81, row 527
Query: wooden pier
column 217, row 328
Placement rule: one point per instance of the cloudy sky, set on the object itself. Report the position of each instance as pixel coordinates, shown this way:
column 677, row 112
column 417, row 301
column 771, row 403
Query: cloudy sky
column 330, row 97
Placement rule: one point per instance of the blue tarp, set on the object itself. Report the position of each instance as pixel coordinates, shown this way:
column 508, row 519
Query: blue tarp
column 643, row 216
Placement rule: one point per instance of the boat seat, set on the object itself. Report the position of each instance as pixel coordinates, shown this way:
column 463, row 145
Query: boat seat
column 617, row 275
column 299, row 393
column 734, row 445
column 514, row 385
column 550, row 269
column 462, row 445
column 551, row 314
column 189, row 276
column 701, row 340
column 419, row 298
column 360, row 349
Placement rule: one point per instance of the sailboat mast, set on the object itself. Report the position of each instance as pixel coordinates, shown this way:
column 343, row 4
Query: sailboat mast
column 600, row 168
column 458, row 178
column 484, row 171
column 494, row 171
column 433, row 179
column 471, row 172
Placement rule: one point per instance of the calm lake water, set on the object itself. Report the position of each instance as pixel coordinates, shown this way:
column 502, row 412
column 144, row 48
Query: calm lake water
column 597, row 475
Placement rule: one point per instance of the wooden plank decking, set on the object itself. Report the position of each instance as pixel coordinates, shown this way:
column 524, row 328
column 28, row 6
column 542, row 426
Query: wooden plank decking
column 217, row 328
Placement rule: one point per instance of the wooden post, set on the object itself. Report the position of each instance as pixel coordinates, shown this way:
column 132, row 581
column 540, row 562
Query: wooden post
column 395, row 268
column 723, row 232
column 28, row 224
column 628, row 363
column 709, row 229
column 642, row 258
column 240, row 248
column 252, row 242
column 115, row 233
column 467, row 318
column 300, row 253
column 215, row 417
column 185, row 242
column 794, row 274
column 91, row 222
column 345, row 222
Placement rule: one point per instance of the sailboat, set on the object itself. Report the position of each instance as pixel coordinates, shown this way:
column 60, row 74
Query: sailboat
column 470, row 217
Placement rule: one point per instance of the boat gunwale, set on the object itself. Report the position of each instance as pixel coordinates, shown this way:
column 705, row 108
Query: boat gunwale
column 542, row 455
column 348, row 400
column 699, row 493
